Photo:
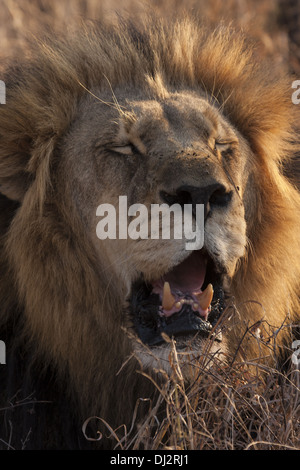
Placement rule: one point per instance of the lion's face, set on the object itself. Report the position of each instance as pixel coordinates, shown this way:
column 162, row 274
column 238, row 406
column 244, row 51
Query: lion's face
column 174, row 150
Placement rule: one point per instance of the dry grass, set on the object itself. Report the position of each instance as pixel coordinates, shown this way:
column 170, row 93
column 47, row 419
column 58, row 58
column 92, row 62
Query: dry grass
column 241, row 405
column 226, row 409
column 231, row 407
column 227, row 403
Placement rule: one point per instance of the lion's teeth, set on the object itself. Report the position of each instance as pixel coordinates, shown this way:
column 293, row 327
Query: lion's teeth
column 168, row 299
column 205, row 297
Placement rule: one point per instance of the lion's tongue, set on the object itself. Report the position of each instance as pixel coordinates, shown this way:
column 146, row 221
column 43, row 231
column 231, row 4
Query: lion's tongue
column 182, row 285
column 189, row 275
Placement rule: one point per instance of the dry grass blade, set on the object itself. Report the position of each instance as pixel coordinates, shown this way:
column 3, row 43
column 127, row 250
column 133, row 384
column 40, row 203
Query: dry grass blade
column 226, row 408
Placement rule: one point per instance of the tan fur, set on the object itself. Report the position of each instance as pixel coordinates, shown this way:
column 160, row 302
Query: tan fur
column 73, row 303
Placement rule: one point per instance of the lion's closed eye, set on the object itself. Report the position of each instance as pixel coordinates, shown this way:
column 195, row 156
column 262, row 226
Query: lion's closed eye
column 222, row 145
column 124, row 149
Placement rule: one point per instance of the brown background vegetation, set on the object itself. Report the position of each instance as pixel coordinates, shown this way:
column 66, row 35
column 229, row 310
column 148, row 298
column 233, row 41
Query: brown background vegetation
column 267, row 21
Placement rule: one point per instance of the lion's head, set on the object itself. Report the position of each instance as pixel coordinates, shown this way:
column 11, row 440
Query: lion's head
column 155, row 147
column 166, row 115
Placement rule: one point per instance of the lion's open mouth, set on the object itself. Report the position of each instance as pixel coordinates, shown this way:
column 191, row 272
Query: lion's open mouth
column 188, row 300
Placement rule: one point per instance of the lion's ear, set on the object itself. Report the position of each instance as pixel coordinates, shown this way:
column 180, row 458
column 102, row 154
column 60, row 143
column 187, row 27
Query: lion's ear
column 14, row 188
column 16, row 137
column 14, row 159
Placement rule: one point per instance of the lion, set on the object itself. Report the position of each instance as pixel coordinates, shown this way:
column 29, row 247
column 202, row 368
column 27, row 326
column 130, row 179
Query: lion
column 171, row 114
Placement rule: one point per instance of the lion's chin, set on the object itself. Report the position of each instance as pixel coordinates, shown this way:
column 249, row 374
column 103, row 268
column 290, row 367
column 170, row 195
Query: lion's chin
column 185, row 302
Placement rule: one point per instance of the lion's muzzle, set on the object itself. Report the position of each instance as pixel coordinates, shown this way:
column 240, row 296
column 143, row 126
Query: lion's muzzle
column 181, row 303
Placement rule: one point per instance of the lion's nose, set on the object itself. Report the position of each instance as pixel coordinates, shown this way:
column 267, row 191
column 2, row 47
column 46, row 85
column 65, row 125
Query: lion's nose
column 213, row 195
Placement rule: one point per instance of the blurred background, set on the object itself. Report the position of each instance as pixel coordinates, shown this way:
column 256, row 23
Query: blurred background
column 273, row 24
